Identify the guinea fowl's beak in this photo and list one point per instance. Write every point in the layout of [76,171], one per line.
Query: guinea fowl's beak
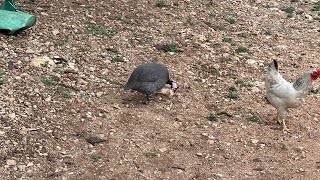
[174,88]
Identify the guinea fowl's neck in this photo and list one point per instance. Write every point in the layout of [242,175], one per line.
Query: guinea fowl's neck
[170,82]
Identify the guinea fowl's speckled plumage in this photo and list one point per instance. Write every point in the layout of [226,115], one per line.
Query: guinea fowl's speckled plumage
[148,78]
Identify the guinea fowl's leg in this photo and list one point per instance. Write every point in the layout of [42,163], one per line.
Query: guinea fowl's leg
[147,100]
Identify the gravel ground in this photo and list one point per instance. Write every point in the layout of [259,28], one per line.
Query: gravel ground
[64,114]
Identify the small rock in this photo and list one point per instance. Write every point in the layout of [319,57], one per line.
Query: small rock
[95,140]
[99,94]
[254,141]
[210,141]
[199,154]
[89,114]
[30,51]
[55,32]
[42,62]
[12,115]
[163,149]
[11,162]
[255,89]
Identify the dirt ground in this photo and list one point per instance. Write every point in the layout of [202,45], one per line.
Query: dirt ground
[70,118]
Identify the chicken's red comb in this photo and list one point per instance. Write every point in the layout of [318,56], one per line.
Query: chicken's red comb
[318,70]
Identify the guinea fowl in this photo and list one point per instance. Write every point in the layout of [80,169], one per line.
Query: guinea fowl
[283,94]
[149,78]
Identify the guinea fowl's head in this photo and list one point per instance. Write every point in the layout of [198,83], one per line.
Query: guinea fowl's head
[315,74]
[174,86]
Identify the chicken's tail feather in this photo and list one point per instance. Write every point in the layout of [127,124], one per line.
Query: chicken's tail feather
[273,66]
[275,62]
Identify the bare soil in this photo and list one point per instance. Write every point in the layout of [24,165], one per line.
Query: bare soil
[74,121]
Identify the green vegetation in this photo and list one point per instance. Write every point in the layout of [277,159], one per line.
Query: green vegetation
[171,47]
[212,118]
[100,31]
[316,6]
[117,59]
[49,81]
[190,22]
[161,4]
[231,20]
[232,96]
[232,88]
[45,64]
[288,10]
[253,119]
[242,50]
[95,157]
[150,154]
[227,39]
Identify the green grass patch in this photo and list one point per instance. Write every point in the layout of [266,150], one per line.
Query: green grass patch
[100,31]
[95,157]
[49,81]
[227,39]
[162,4]
[212,118]
[242,50]
[2,82]
[171,47]
[316,6]
[232,96]
[230,20]
[150,154]
[117,59]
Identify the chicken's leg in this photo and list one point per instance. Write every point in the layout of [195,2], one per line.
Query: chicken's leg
[281,116]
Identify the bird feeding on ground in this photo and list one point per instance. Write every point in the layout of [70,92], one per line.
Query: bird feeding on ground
[149,78]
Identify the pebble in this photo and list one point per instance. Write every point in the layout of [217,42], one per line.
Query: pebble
[254,141]
[199,154]
[12,115]
[11,162]
[210,141]
[163,149]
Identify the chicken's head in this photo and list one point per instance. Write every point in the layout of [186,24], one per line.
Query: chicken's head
[315,74]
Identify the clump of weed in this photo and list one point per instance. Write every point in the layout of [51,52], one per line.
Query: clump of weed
[45,64]
[171,47]
[100,31]
[95,157]
[284,146]
[117,59]
[49,81]
[212,118]
[232,88]
[316,6]
[231,20]
[232,96]
[227,39]
[162,4]
[150,154]
[289,11]
[242,50]
[253,119]
[112,50]
[190,22]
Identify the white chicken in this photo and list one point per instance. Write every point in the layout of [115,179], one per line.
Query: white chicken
[283,94]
